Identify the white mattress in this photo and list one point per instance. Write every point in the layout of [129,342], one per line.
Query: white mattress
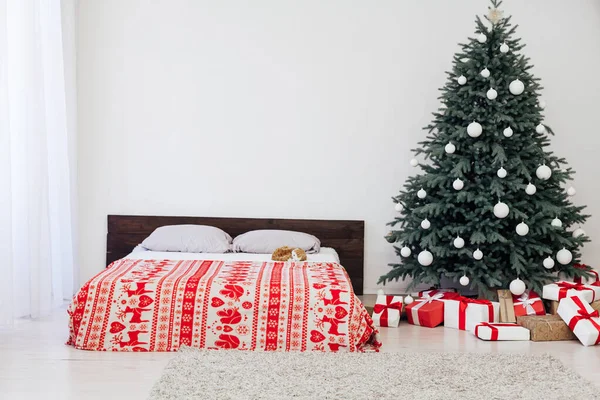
[327,254]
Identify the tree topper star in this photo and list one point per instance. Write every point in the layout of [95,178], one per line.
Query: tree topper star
[495,15]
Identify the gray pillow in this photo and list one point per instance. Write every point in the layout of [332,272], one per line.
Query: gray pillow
[266,241]
[188,239]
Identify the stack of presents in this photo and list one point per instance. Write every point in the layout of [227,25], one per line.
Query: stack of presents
[565,311]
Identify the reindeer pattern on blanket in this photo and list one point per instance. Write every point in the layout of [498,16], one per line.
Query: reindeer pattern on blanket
[159,305]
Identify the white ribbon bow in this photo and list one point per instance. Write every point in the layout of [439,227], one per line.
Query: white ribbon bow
[527,303]
[429,299]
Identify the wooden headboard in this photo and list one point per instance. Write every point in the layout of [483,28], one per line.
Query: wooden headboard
[346,237]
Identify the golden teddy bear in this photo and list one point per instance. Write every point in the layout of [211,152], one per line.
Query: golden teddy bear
[286,253]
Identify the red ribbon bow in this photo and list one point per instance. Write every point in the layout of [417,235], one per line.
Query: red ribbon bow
[383,309]
[583,266]
[583,314]
[462,310]
[493,327]
[566,286]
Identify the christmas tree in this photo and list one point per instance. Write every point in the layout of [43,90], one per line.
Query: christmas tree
[492,204]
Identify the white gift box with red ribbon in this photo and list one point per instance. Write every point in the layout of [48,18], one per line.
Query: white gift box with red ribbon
[560,290]
[387,310]
[492,331]
[582,319]
[464,313]
[595,281]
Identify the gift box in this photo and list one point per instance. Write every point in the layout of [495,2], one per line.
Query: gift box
[387,309]
[464,313]
[490,331]
[432,292]
[507,308]
[553,306]
[529,303]
[428,311]
[582,319]
[559,290]
[427,295]
[545,328]
[594,282]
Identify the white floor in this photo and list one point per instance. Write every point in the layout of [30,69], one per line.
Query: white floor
[35,363]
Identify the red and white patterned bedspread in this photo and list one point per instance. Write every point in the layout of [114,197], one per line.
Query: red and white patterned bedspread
[159,305]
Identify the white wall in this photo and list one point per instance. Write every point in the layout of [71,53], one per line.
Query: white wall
[304,109]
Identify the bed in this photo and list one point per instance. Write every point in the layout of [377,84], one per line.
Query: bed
[155,301]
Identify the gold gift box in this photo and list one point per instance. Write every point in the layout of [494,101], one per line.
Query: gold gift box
[546,327]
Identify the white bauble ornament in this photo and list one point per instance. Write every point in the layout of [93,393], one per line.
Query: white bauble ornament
[516,87]
[508,132]
[522,229]
[474,129]
[504,48]
[405,251]
[530,189]
[425,258]
[501,173]
[398,207]
[478,254]
[485,73]
[491,94]
[380,292]
[461,80]
[548,262]
[578,232]
[481,38]
[501,210]
[540,128]
[571,191]
[564,256]
[464,280]
[425,224]
[458,184]
[517,287]
[542,104]
[543,172]
[557,223]
[459,242]
[450,148]
[408,299]
[414,162]
[421,193]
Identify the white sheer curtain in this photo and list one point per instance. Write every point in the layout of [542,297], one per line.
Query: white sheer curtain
[37,156]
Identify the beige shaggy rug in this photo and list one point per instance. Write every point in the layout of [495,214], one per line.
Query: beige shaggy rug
[238,375]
